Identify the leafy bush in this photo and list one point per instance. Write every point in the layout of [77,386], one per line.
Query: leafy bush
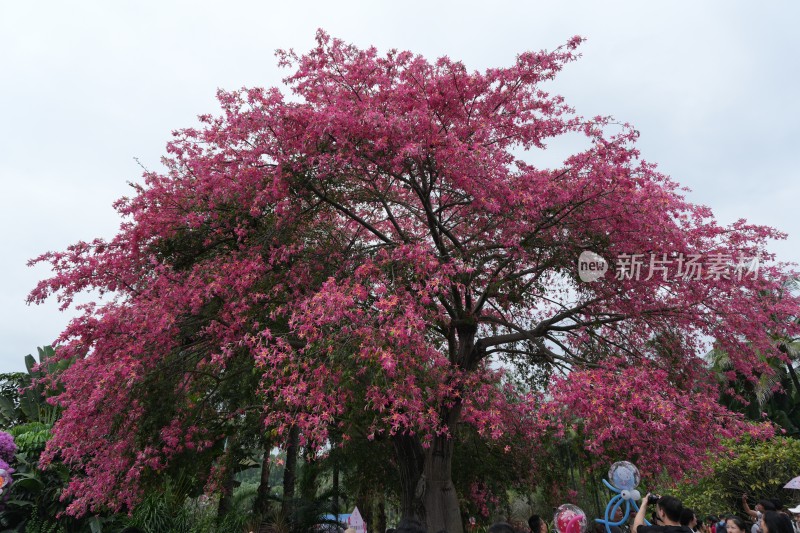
[31,437]
[170,511]
[760,469]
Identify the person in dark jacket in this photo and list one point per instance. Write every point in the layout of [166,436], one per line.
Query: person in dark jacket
[668,510]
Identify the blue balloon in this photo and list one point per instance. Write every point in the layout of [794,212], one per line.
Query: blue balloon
[624,477]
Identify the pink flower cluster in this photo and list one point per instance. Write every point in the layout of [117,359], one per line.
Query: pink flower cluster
[634,412]
[483,499]
[375,251]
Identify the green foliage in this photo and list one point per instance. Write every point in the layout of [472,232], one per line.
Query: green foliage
[171,504]
[484,461]
[10,384]
[40,523]
[759,469]
[158,513]
[277,522]
[34,499]
[171,511]
[244,495]
[31,437]
[165,510]
[23,398]
[775,395]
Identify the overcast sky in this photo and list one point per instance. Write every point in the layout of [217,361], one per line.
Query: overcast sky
[86,87]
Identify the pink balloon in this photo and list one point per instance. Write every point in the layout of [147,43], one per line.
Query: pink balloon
[570,519]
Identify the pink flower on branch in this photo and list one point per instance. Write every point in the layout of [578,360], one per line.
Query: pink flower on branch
[376,257]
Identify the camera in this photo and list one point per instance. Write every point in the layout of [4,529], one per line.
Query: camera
[653,499]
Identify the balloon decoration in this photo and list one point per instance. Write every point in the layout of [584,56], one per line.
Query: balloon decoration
[570,519]
[623,478]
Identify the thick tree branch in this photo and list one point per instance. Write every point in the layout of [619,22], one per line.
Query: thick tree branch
[372,229]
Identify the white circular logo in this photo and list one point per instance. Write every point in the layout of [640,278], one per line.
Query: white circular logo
[591,266]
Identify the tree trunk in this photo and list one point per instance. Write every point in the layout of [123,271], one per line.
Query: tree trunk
[336,509]
[290,470]
[308,478]
[440,498]
[427,492]
[364,504]
[261,503]
[380,521]
[410,461]
[226,498]
[229,482]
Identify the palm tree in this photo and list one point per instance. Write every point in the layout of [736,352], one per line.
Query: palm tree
[775,392]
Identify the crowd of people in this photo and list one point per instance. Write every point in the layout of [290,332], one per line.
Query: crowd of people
[667,514]
[671,516]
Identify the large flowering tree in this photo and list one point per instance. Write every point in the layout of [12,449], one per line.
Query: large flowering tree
[382,247]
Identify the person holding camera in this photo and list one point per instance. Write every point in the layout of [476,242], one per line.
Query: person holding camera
[755,514]
[668,510]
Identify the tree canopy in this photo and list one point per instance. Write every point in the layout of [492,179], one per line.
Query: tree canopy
[373,254]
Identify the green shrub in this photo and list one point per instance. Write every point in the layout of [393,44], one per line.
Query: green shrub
[760,469]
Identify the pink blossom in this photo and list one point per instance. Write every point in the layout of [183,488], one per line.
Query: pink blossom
[376,251]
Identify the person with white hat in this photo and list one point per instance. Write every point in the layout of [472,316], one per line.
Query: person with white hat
[795,518]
